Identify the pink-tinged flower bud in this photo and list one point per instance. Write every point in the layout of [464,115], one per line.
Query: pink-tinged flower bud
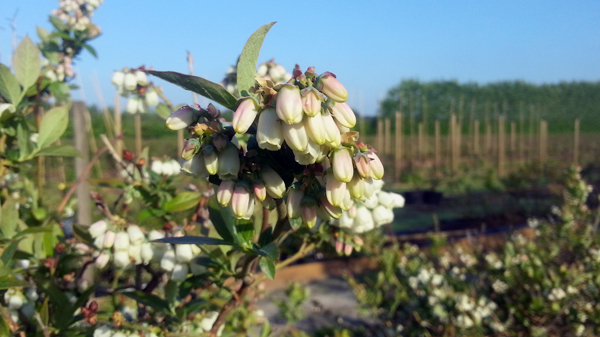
[190,148]
[240,201]
[118,78]
[348,249]
[369,187]
[347,203]
[182,118]
[273,182]
[136,236]
[121,259]
[130,82]
[311,102]
[334,138]
[250,210]
[356,187]
[141,78]
[309,211]
[195,166]
[352,212]
[260,191]
[341,161]
[332,88]
[295,136]
[229,163]
[180,272]
[294,202]
[334,212]
[335,190]
[339,246]
[121,242]
[244,115]
[109,239]
[315,129]
[102,260]
[362,165]
[211,159]
[225,192]
[382,215]
[151,98]
[269,133]
[98,228]
[344,115]
[376,166]
[289,104]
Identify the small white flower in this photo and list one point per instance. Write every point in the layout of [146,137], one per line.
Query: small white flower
[98,228]
[136,236]
[180,272]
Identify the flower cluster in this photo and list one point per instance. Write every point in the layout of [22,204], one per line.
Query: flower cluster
[268,70]
[76,14]
[134,83]
[19,302]
[127,247]
[168,167]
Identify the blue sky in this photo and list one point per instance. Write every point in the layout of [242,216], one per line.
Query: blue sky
[369,45]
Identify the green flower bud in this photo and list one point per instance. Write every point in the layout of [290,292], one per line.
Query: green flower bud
[211,159]
[190,148]
[229,163]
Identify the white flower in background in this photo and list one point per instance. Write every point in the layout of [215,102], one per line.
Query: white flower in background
[556,294]
[499,286]
[464,321]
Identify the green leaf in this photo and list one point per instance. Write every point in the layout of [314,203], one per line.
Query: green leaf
[58,151]
[245,229]
[82,234]
[91,50]
[153,301]
[44,312]
[194,240]
[223,220]
[53,125]
[192,306]
[61,91]
[296,223]
[26,63]
[57,23]
[271,251]
[57,297]
[23,142]
[8,253]
[200,86]
[8,281]
[163,111]
[4,329]
[183,201]
[246,67]
[43,34]
[9,86]
[9,217]
[267,266]
[33,230]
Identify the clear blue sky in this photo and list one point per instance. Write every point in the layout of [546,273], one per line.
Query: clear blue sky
[369,45]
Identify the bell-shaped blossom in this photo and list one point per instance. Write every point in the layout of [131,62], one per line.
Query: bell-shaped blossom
[332,211]
[180,272]
[229,162]
[311,102]
[334,138]
[195,166]
[344,115]
[118,78]
[269,133]
[151,98]
[398,200]
[347,203]
[102,260]
[294,202]
[363,221]
[369,187]
[356,187]
[295,136]
[130,82]
[225,192]
[376,166]
[362,165]
[132,105]
[183,253]
[190,148]
[382,215]
[136,236]
[244,115]
[240,201]
[98,228]
[211,159]
[289,104]
[182,118]
[167,263]
[146,253]
[135,253]
[109,239]
[273,182]
[121,259]
[341,161]
[332,88]
[260,190]
[121,241]
[315,129]
[385,199]
[335,190]
[309,211]
[141,78]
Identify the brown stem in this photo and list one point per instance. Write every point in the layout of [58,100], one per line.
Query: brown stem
[87,170]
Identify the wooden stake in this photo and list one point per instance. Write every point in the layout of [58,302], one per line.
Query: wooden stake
[398,146]
[437,146]
[513,141]
[138,134]
[453,144]
[421,141]
[476,137]
[501,145]
[388,136]
[84,210]
[380,140]
[576,143]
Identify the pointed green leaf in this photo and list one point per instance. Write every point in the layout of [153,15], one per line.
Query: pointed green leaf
[23,142]
[4,329]
[271,250]
[9,86]
[8,253]
[9,218]
[91,50]
[267,266]
[200,86]
[223,220]
[82,234]
[53,125]
[8,281]
[246,67]
[194,240]
[43,34]
[27,63]
[163,111]
[150,300]
[57,23]
[183,201]
[58,151]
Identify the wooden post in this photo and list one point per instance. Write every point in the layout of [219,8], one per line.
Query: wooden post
[471,131]
[84,211]
[118,127]
[576,143]
[411,125]
[453,144]
[138,133]
[437,146]
[501,145]
[398,146]
[531,142]
[521,141]
[421,141]
[513,142]
[388,136]
[380,145]
[542,139]
[476,137]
